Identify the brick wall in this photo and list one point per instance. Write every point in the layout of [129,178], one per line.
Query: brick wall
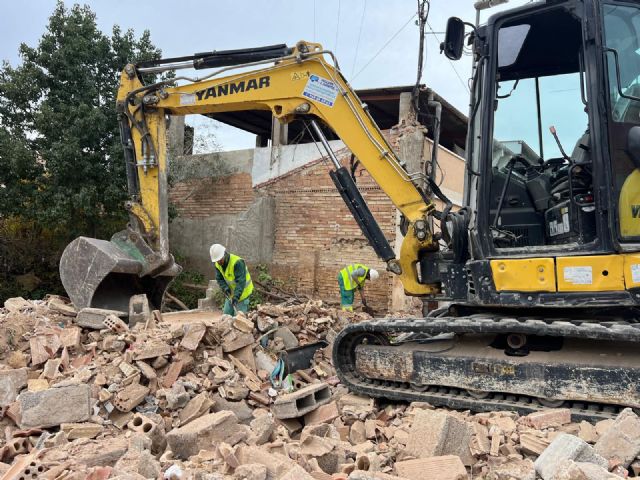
[316,236]
[204,197]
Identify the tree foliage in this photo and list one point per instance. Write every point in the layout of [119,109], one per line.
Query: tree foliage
[61,162]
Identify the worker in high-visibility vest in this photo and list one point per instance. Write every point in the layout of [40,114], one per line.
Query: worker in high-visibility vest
[233,278]
[352,278]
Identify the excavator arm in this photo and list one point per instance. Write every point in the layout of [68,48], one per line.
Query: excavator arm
[290,83]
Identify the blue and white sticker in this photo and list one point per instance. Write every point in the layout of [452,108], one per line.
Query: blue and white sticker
[321,90]
[187,99]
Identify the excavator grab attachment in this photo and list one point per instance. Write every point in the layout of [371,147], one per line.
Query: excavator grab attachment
[105,274]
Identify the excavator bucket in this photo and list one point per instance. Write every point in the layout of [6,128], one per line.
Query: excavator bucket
[105,274]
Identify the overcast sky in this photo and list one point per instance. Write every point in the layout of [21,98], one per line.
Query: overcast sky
[356,30]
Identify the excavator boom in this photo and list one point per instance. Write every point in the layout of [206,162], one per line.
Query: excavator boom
[291,83]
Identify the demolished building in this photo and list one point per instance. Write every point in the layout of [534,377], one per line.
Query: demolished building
[276,204]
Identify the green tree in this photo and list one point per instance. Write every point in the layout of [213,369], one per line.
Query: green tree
[61,162]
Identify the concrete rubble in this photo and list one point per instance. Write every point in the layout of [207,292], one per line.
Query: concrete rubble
[190,395]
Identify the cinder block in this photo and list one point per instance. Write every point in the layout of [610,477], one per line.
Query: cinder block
[305,400]
[51,407]
[94,317]
[566,447]
[139,310]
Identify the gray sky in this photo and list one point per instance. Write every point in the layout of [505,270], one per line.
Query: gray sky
[190,26]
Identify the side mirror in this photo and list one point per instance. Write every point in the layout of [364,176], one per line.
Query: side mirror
[454,39]
[633,145]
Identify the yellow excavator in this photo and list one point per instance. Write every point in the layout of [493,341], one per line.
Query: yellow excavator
[540,267]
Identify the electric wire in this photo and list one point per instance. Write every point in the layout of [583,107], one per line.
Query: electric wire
[383,47]
[335,45]
[355,57]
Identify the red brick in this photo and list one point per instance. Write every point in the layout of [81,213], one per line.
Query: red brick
[447,467]
[323,414]
[548,418]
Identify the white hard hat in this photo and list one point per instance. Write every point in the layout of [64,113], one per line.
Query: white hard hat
[373,274]
[217,252]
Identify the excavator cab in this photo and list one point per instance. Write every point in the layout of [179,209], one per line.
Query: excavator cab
[552,163]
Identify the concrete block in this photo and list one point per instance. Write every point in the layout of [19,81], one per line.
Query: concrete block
[277,464]
[323,414]
[548,418]
[11,382]
[93,318]
[201,433]
[139,310]
[622,440]
[51,407]
[566,447]
[447,467]
[305,400]
[435,434]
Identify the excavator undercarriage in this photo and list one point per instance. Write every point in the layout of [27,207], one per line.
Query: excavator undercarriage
[487,361]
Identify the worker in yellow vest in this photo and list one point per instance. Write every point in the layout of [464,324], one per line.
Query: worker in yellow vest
[352,278]
[234,279]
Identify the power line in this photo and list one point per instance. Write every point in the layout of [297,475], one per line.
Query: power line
[383,47]
[423,15]
[314,20]
[355,57]
[450,62]
[335,45]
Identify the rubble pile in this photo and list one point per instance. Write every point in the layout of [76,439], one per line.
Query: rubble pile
[102,394]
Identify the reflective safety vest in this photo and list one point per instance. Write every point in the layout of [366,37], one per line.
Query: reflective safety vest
[230,278]
[348,282]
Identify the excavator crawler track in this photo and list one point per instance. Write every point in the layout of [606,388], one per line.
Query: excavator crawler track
[362,348]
